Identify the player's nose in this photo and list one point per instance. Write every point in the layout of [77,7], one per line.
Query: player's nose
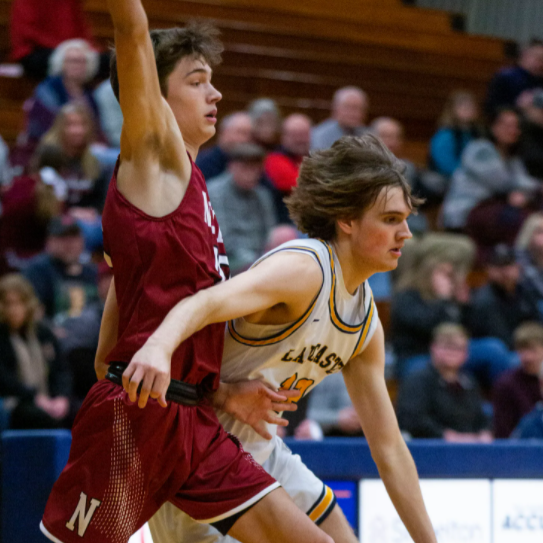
[215,95]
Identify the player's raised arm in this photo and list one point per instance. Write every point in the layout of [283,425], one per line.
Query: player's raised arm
[286,282]
[365,379]
[136,77]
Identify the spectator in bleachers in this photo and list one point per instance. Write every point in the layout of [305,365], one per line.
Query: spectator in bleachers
[433,290]
[72,65]
[441,400]
[279,235]
[517,391]
[531,141]
[512,85]
[331,408]
[234,129]
[458,126]
[243,207]
[426,184]
[63,283]
[37,27]
[500,306]
[78,336]
[493,179]
[34,383]
[349,113]
[266,119]
[529,246]
[282,166]
[85,180]
[72,134]
[531,425]
[28,204]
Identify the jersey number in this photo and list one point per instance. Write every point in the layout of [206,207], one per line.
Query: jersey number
[293,383]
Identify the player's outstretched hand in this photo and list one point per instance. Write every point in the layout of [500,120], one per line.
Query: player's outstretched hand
[150,367]
[254,402]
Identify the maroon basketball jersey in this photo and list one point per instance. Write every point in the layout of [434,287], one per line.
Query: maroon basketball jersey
[156,263]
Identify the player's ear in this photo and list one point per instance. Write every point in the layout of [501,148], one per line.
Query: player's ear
[345,225]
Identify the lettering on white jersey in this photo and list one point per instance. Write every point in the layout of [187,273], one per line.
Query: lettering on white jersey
[82,515]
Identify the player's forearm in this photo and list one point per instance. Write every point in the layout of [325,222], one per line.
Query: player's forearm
[185,319]
[128,16]
[108,331]
[399,474]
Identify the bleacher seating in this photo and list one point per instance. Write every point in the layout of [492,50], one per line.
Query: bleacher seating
[407,58]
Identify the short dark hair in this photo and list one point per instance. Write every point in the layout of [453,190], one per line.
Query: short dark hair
[170,45]
[342,182]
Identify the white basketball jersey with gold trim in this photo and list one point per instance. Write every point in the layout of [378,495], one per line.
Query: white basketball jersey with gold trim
[336,327]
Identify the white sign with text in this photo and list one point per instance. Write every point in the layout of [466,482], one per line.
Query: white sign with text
[518,511]
[459,511]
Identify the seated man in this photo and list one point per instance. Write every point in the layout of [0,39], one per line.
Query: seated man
[63,283]
[441,401]
[517,391]
[234,129]
[282,166]
[244,209]
[531,425]
[504,303]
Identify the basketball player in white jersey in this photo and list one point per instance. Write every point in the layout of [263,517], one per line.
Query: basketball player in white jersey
[305,311]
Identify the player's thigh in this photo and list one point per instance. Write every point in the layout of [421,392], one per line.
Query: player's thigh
[338,527]
[276,519]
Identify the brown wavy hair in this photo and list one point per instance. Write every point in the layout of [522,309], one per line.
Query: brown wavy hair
[15,282]
[342,182]
[170,45]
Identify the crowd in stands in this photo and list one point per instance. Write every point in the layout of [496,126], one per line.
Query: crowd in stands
[466,302]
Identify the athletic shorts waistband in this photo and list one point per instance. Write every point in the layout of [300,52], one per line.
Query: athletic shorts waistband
[178,391]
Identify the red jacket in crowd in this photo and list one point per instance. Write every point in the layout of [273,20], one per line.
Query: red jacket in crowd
[45,23]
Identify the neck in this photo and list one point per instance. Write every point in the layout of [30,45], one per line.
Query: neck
[192,150]
[74,89]
[353,274]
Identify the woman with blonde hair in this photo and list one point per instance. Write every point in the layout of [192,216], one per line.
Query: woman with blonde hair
[529,246]
[432,289]
[81,183]
[458,126]
[34,384]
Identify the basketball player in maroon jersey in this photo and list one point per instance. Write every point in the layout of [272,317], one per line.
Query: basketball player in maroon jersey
[164,244]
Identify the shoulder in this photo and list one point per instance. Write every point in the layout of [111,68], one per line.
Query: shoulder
[219,184]
[325,126]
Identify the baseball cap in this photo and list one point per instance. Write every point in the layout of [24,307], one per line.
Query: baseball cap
[502,255]
[63,226]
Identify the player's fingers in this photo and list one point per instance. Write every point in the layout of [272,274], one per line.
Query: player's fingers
[127,375]
[134,383]
[160,387]
[280,395]
[162,400]
[284,406]
[260,429]
[274,419]
[146,387]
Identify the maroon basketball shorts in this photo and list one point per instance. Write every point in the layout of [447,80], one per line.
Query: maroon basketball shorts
[125,462]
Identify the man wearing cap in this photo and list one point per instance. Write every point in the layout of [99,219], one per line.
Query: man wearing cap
[62,282]
[243,207]
[503,304]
